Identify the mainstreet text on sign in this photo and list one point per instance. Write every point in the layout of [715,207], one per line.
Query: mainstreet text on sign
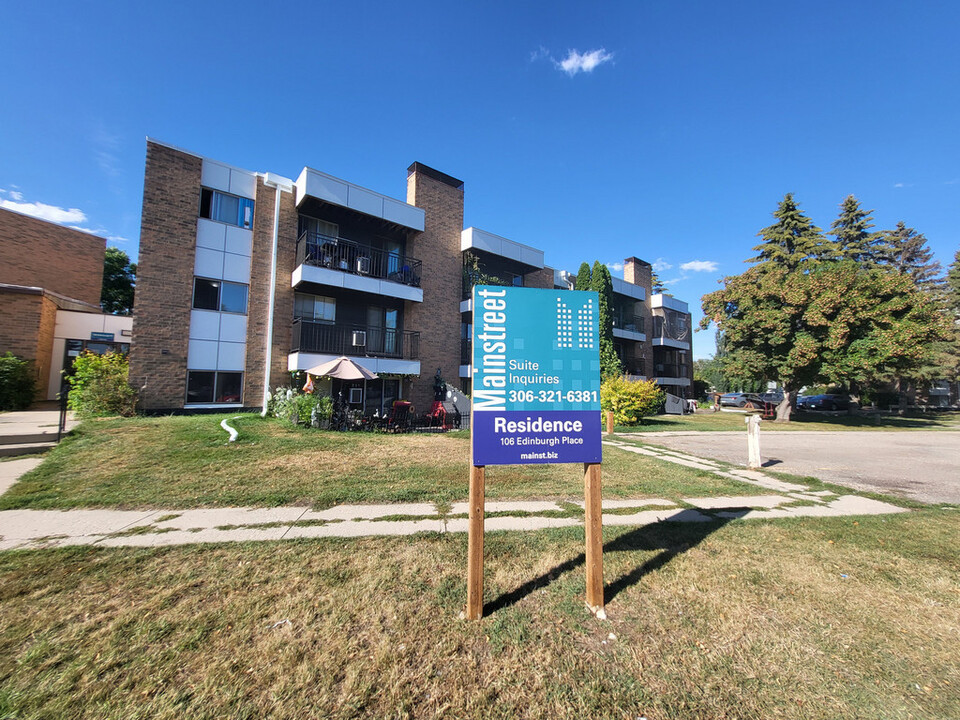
[536,376]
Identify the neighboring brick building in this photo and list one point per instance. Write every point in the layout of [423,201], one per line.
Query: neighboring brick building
[349,272]
[50,282]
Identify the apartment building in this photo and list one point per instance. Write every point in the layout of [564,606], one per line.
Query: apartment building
[245,277]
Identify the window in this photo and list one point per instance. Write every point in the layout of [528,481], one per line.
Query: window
[219,295]
[204,386]
[315,308]
[315,226]
[230,209]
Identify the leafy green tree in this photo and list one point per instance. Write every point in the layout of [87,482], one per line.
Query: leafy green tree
[119,279]
[854,241]
[836,323]
[792,240]
[910,255]
[610,364]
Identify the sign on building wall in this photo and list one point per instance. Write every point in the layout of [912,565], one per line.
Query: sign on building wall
[536,376]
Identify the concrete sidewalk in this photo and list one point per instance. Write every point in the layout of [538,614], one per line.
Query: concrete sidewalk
[27,529]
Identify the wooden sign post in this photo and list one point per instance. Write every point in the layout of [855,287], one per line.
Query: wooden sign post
[475,544]
[536,399]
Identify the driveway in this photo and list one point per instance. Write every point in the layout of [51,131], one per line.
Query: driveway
[919,465]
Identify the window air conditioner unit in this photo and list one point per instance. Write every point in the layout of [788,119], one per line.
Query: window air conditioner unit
[363,265]
[359,338]
[356,396]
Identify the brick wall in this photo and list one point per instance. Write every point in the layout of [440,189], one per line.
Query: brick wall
[260,292]
[27,321]
[437,318]
[161,313]
[37,253]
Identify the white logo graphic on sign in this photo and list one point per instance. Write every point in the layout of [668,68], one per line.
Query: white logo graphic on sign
[585,325]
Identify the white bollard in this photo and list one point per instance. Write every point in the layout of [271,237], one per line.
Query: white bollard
[753,441]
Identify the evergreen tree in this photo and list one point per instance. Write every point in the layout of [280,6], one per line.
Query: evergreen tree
[119,274]
[610,365]
[854,239]
[909,255]
[584,279]
[953,286]
[656,283]
[792,240]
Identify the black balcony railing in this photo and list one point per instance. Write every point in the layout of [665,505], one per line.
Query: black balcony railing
[633,323]
[356,340]
[671,371]
[348,256]
[466,352]
[633,366]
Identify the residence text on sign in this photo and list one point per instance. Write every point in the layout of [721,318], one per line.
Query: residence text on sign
[536,376]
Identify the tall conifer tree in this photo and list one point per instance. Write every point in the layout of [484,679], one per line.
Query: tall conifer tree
[854,239]
[910,255]
[792,240]
[610,364]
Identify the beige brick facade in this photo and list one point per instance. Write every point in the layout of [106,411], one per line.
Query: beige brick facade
[437,318]
[260,292]
[161,315]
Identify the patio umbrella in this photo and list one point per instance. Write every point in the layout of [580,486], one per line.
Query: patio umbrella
[343,368]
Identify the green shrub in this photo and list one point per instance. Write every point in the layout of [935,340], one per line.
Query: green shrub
[630,400]
[17,384]
[300,408]
[99,386]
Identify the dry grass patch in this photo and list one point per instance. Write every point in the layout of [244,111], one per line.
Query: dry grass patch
[184,462]
[737,620]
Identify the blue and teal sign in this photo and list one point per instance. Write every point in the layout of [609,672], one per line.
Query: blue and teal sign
[536,376]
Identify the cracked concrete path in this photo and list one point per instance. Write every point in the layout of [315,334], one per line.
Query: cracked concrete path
[33,529]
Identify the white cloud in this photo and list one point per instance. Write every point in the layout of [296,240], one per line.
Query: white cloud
[40,210]
[659,265]
[576,61]
[616,267]
[699,266]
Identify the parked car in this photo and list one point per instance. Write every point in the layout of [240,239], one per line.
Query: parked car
[733,399]
[823,402]
[742,400]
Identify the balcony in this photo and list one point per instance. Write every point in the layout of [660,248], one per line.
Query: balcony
[338,262]
[355,340]
[352,257]
[628,327]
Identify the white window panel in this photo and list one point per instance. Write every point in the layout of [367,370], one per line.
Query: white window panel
[236,268]
[239,241]
[232,356]
[233,328]
[202,355]
[209,264]
[215,175]
[204,325]
[210,234]
[243,183]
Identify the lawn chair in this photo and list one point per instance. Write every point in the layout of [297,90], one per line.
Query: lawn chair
[399,420]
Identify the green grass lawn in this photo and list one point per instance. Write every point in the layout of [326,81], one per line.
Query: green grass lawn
[185,462]
[707,420]
[797,619]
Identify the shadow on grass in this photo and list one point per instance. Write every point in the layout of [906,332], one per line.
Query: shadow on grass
[842,419]
[670,538]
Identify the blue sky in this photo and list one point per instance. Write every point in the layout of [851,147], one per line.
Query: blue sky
[664,130]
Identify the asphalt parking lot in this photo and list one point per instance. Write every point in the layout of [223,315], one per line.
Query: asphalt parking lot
[919,464]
